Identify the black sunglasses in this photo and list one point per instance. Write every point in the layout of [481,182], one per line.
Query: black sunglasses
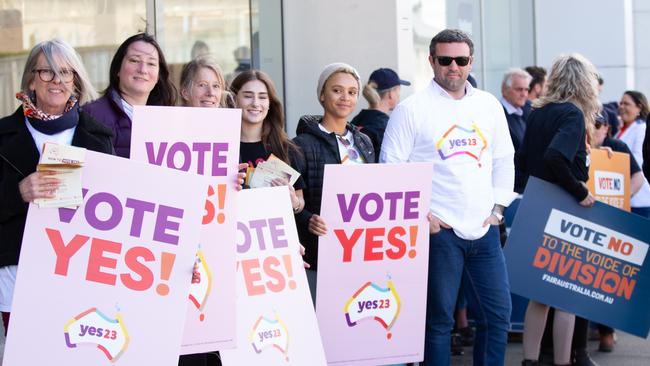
[446,60]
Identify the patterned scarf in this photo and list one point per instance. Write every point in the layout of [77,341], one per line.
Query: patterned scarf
[46,123]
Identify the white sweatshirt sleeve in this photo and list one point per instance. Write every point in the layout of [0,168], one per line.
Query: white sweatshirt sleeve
[399,138]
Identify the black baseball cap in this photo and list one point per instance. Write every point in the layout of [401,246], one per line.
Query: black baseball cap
[386,79]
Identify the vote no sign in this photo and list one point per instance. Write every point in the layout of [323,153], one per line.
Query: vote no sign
[588,261]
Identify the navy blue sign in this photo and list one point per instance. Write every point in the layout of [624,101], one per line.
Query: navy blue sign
[586,261]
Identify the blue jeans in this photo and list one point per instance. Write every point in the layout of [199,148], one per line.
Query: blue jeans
[480,264]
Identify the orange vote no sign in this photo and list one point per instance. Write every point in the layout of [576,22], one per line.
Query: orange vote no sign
[609,178]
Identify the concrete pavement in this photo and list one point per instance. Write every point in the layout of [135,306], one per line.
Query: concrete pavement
[629,351]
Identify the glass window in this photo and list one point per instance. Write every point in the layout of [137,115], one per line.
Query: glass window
[186,29]
[267,47]
[509,39]
[94,27]
[432,16]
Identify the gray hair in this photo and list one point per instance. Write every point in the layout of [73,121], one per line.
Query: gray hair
[59,53]
[515,73]
[192,67]
[451,36]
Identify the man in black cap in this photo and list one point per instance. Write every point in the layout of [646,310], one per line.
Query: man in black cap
[382,93]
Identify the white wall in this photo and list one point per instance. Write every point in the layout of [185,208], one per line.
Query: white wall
[601,30]
[642,46]
[366,34]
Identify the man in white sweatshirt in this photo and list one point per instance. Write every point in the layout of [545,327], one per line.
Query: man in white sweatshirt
[464,132]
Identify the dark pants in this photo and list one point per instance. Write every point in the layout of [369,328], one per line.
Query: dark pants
[480,264]
[5,321]
[200,359]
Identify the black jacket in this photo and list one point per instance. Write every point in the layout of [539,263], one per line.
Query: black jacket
[18,159]
[517,127]
[646,151]
[373,123]
[319,148]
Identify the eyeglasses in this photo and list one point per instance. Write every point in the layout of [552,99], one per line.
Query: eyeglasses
[598,125]
[48,75]
[352,153]
[460,60]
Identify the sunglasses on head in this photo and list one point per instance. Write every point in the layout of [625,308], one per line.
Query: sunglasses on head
[446,60]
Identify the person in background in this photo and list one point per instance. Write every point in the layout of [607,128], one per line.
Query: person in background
[54,85]
[138,76]
[633,110]
[537,85]
[199,48]
[555,149]
[646,152]
[382,93]
[327,139]
[603,140]
[610,109]
[514,91]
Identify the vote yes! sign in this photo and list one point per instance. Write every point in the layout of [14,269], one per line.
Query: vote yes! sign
[276,324]
[202,142]
[372,264]
[587,261]
[108,281]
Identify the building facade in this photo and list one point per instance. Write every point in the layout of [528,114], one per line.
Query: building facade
[293,39]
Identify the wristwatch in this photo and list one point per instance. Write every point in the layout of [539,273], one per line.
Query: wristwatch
[498,216]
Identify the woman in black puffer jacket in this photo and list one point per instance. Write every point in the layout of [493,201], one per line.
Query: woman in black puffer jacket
[329,139]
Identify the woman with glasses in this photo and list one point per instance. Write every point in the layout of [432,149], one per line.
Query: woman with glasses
[555,148]
[54,84]
[138,76]
[328,139]
[633,110]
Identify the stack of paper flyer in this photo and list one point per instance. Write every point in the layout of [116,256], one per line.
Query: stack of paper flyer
[270,170]
[66,161]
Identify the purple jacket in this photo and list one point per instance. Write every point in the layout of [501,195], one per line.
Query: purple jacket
[108,110]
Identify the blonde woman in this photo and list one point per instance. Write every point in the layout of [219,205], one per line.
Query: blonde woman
[203,84]
[382,93]
[555,148]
